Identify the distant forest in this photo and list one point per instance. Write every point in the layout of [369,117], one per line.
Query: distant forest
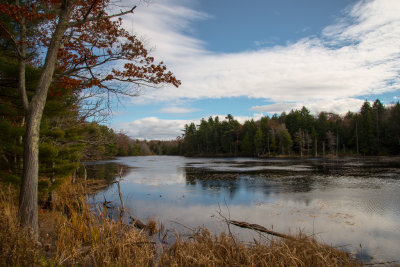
[375,130]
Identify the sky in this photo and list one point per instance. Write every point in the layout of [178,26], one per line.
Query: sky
[259,57]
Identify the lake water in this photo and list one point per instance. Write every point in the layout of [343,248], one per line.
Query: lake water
[349,203]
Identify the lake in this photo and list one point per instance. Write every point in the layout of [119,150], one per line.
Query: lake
[349,203]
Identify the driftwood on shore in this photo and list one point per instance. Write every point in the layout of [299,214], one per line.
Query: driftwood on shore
[137,223]
[259,228]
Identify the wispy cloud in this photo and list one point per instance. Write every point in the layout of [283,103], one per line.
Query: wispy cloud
[165,26]
[153,128]
[356,56]
[176,110]
[339,106]
[271,41]
[163,129]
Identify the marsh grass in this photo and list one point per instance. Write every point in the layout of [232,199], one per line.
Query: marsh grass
[92,238]
[75,234]
[206,249]
[17,247]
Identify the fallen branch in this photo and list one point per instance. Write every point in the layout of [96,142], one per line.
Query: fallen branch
[259,228]
[137,223]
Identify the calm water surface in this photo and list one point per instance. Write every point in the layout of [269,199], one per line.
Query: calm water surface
[347,202]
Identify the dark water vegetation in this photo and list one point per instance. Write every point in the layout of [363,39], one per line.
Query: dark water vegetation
[349,202]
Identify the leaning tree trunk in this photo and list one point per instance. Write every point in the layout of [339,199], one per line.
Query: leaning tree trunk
[28,200]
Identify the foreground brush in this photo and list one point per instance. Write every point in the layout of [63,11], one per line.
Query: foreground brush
[74,233]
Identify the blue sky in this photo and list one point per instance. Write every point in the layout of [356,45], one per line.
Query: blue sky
[261,57]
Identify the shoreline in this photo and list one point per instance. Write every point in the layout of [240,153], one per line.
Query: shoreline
[72,234]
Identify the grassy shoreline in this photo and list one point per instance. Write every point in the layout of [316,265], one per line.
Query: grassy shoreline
[71,233]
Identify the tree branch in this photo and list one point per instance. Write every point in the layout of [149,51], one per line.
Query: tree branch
[81,22]
[14,41]
[90,9]
[22,68]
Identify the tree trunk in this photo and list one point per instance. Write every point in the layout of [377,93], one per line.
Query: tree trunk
[337,144]
[21,140]
[358,152]
[28,199]
[316,147]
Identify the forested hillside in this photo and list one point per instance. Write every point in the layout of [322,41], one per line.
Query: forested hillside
[375,130]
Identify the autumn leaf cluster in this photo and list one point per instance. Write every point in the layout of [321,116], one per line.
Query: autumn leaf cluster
[96,51]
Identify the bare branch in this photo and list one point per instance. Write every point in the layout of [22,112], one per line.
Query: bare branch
[81,22]
[14,41]
[90,9]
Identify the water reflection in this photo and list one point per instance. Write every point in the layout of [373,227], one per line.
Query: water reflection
[347,201]
[104,170]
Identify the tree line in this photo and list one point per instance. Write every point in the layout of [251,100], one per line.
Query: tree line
[374,130]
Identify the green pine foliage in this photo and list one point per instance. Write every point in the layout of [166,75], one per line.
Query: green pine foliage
[375,130]
[65,139]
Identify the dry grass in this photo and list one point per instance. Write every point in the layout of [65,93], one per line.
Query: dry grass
[94,239]
[205,249]
[17,247]
[86,238]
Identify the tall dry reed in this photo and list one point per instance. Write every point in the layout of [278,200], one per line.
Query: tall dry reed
[85,236]
[205,249]
[17,247]
[90,238]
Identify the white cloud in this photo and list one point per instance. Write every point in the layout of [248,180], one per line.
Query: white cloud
[338,106]
[276,108]
[165,25]
[153,128]
[176,110]
[358,55]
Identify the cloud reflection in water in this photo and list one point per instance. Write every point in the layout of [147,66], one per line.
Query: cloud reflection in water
[343,204]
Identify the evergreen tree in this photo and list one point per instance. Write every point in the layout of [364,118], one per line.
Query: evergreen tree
[285,141]
[372,131]
[393,130]
[259,142]
[378,121]
[366,130]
